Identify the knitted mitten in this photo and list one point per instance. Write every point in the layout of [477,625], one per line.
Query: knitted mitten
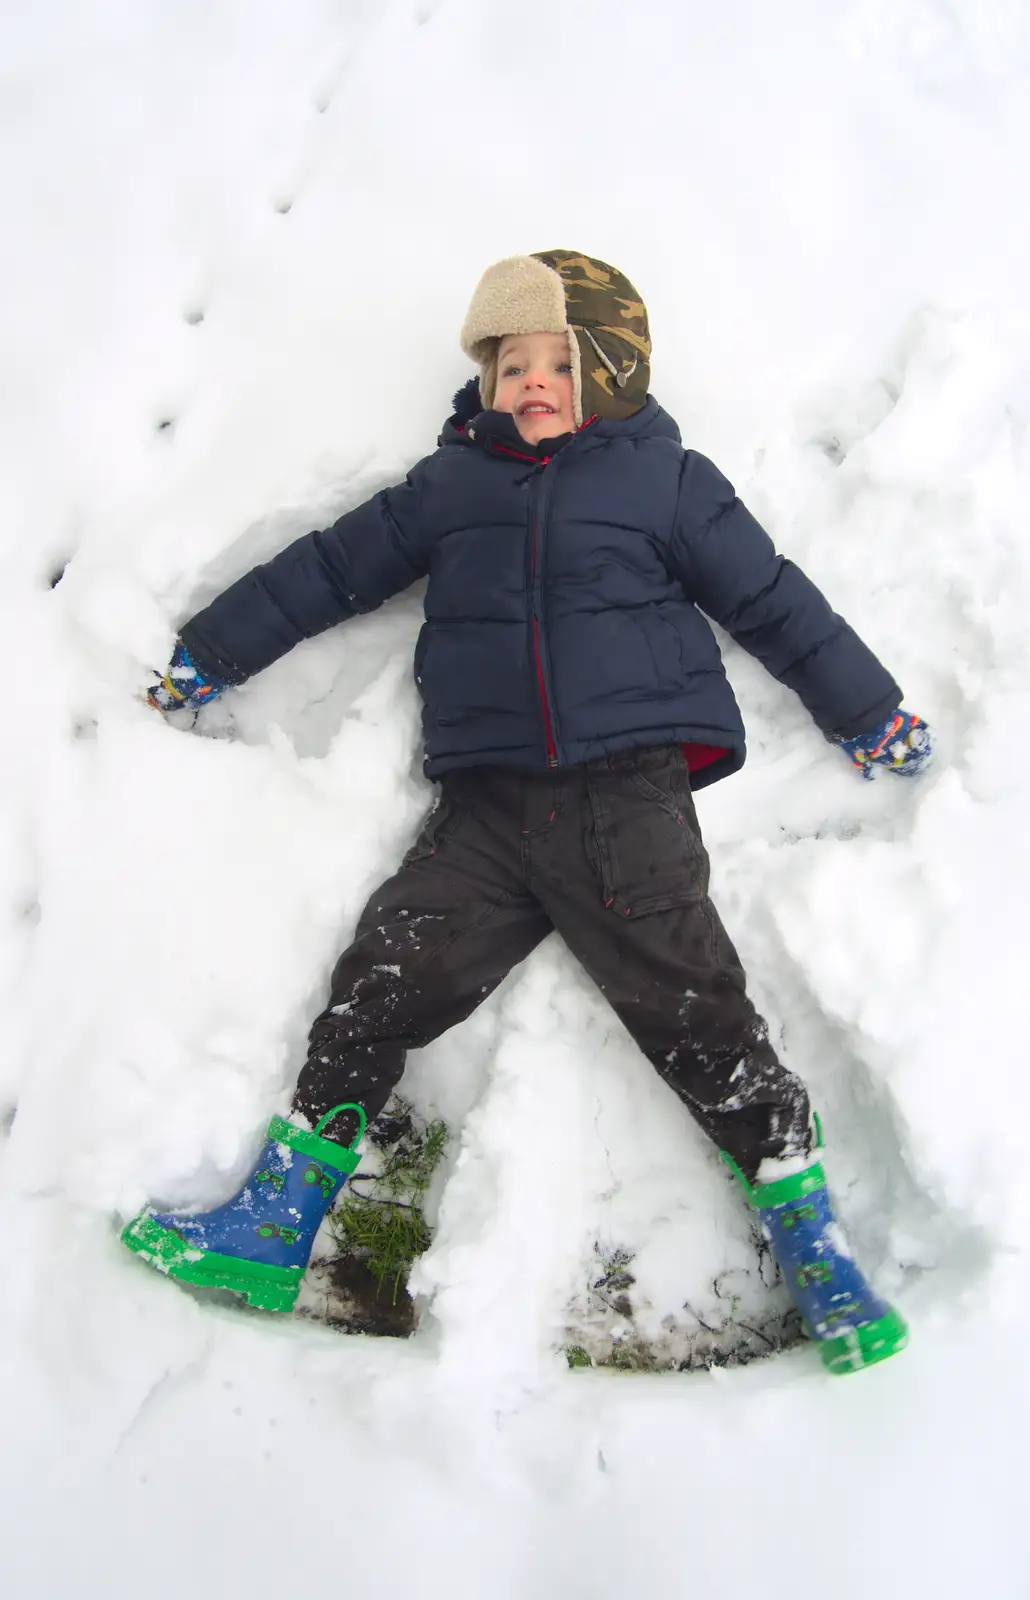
[183,685]
[900,743]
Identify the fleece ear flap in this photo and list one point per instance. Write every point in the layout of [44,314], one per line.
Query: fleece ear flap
[488,377]
[516,295]
[576,362]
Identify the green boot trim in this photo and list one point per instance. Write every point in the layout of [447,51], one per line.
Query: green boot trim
[763,1196]
[342,1158]
[865,1346]
[266,1287]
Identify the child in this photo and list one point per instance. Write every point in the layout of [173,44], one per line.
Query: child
[574,696]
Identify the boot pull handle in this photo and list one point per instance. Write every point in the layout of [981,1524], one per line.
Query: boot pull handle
[362,1122]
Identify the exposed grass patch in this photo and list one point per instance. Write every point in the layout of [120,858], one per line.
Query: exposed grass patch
[380,1220]
[604,1331]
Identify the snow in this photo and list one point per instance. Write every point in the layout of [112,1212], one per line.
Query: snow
[238,243]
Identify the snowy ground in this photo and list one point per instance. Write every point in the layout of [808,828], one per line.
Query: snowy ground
[237,244]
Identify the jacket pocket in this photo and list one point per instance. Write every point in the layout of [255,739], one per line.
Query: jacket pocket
[646,844]
[439,825]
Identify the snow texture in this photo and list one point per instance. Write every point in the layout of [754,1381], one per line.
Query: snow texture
[238,242]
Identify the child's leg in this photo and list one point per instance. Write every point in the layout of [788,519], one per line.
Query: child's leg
[632,902]
[431,944]
[626,884]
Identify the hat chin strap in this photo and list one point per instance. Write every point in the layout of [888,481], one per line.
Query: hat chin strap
[621,377]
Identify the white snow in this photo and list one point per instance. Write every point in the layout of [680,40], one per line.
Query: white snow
[238,241]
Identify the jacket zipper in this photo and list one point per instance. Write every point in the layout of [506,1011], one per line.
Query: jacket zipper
[541,682]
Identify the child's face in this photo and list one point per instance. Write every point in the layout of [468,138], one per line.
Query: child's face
[534,383]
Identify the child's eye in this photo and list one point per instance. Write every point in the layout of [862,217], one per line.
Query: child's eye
[510,371]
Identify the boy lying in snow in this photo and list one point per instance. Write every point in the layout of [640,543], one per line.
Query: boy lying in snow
[574,696]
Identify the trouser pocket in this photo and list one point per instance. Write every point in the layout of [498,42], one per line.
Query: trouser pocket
[643,836]
[440,823]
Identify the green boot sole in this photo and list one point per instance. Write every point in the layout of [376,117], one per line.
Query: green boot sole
[865,1346]
[266,1288]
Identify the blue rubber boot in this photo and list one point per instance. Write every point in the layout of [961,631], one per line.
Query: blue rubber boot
[257,1244]
[853,1327]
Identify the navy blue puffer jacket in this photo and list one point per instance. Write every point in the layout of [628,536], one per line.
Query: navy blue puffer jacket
[567,583]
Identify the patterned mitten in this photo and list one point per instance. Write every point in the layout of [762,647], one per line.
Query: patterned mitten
[900,743]
[183,685]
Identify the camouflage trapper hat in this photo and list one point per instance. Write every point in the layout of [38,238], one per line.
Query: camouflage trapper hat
[564,291]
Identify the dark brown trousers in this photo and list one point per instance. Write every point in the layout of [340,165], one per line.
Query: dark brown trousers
[610,855]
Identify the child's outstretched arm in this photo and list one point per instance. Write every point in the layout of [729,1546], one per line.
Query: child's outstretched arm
[321,579]
[729,567]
